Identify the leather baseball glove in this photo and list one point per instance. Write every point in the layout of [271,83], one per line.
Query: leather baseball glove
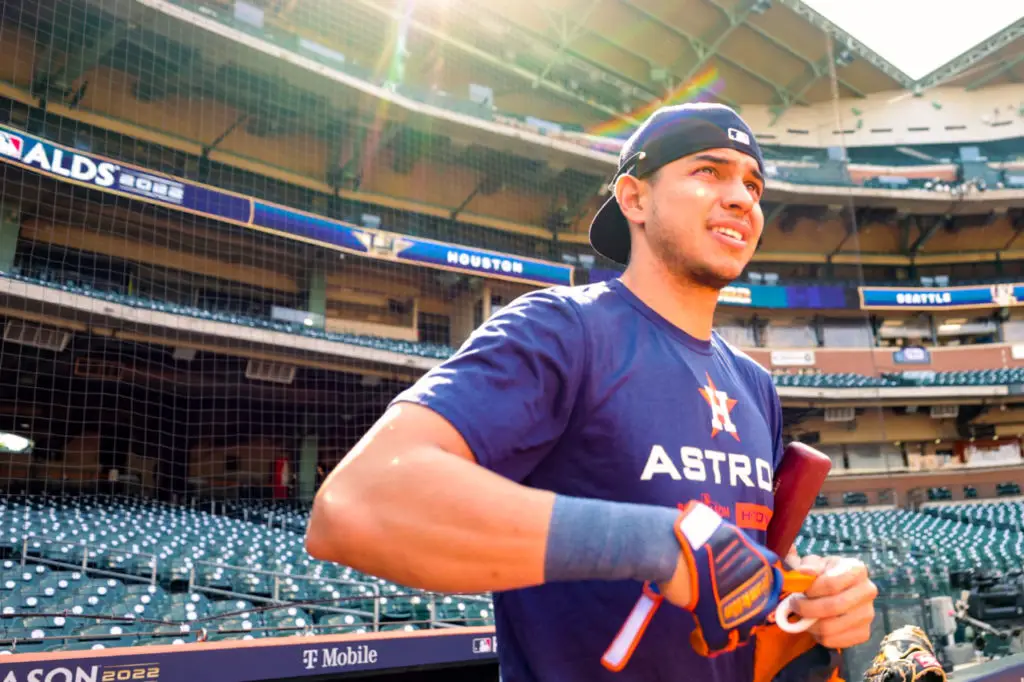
[906,655]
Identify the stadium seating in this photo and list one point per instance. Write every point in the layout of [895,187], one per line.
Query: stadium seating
[50,279]
[122,573]
[105,572]
[915,552]
[978,377]
[808,167]
[840,380]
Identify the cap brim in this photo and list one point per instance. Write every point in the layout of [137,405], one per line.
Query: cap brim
[609,232]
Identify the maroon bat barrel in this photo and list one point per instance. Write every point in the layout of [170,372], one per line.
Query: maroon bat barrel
[797,483]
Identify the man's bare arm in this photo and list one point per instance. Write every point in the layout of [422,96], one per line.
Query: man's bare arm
[410,504]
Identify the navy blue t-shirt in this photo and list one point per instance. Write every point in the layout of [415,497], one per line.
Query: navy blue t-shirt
[586,391]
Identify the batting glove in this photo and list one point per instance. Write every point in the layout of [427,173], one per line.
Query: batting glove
[735,582]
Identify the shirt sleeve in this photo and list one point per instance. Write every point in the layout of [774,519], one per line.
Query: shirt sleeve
[511,388]
[774,411]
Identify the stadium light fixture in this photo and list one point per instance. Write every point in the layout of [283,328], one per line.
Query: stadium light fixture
[844,57]
[12,442]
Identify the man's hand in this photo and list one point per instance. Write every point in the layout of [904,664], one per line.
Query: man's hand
[841,599]
[734,583]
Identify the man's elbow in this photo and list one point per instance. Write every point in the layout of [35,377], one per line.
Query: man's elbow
[333,529]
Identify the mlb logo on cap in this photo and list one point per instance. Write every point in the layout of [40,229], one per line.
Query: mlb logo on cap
[670,133]
[739,136]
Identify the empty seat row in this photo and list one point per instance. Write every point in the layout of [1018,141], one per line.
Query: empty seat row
[90,562]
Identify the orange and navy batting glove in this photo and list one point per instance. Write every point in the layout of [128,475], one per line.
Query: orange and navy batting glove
[735,582]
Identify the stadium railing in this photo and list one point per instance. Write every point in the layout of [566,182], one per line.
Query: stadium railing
[280,581]
[34,548]
[422,356]
[374,605]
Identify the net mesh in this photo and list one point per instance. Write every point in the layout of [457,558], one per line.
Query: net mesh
[231,232]
[183,411]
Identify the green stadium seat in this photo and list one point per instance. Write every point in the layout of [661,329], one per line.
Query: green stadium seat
[165,641]
[249,624]
[401,627]
[90,645]
[26,648]
[340,623]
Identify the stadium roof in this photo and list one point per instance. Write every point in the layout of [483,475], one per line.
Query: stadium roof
[770,52]
[941,31]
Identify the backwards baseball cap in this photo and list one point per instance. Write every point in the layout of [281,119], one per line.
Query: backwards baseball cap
[669,134]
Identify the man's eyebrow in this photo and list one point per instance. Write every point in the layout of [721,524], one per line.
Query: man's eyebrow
[722,161]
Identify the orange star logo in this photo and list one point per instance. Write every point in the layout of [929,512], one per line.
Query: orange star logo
[721,408]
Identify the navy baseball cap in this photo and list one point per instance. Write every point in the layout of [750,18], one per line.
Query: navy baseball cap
[669,134]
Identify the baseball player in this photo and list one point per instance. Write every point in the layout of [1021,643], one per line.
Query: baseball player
[589,441]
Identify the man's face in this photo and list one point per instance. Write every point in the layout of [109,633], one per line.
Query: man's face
[704,217]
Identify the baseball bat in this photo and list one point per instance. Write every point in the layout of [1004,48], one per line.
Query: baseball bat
[797,482]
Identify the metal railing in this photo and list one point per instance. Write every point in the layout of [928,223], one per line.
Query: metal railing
[275,595]
[94,559]
[88,550]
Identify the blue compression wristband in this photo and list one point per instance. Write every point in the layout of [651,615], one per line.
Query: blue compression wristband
[601,540]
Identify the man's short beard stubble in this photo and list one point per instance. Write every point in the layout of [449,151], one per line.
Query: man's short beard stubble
[676,262]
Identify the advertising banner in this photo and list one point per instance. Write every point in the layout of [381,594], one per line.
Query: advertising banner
[69,165]
[258,659]
[912,355]
[793,358]
[948,298]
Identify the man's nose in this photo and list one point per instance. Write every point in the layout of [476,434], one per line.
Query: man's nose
[737,196]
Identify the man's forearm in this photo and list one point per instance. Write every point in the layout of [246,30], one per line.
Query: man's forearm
[432,520]
[435,521]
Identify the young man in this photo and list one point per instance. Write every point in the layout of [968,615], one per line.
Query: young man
[587,440]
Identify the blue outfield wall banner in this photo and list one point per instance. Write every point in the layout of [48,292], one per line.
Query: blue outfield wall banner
[90,170]
[767,295]
[950,298]
[258,659]
[792,297]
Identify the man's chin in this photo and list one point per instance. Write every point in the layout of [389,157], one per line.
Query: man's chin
[715,278]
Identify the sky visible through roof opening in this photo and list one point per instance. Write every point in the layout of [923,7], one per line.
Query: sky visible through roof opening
[918,36]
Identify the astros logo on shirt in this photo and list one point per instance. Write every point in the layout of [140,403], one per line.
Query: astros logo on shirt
[721,407]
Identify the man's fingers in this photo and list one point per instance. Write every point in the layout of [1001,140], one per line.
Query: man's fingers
[812,564]
[836,576]
[853,622]
[835,604]
[855,629]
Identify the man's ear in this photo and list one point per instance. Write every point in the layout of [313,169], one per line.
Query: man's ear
[631,195]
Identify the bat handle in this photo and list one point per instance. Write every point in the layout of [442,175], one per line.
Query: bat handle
[784,611]
[621,649]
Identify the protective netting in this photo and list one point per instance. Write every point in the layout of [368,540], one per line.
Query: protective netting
[231,232]
[118,115]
